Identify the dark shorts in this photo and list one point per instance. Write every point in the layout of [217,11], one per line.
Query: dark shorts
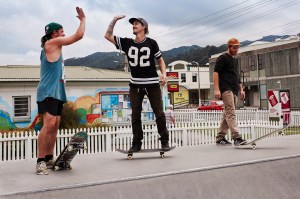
[50,105]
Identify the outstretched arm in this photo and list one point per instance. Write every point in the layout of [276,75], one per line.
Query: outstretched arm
[63,41]
[109,35]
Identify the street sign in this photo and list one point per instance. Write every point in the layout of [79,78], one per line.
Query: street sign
[173,87]
[172,74]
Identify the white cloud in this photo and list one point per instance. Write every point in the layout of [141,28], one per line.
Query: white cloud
[30,57]
[22,24]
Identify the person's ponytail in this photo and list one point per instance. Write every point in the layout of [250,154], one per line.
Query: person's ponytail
[44,39]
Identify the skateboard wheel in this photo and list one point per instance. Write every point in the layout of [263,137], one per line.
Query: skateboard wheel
[129,157]
[253,146]
[56,168]
[162,156]
[70,148]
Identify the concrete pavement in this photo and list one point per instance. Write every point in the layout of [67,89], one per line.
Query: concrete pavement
[189,172]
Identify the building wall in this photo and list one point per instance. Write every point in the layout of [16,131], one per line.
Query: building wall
[189,71]
[275,64]
[183,67]
[89,98]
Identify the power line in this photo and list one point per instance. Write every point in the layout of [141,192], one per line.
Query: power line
[230,14]
[187,23]
[271,29]
[241,22]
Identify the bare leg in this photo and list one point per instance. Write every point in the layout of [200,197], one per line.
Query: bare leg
[46,132]
[52,137]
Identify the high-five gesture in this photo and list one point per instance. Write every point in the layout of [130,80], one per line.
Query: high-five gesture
[81,15]
[118,17]
[109,35]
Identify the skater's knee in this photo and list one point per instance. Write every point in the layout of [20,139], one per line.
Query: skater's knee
[50,126]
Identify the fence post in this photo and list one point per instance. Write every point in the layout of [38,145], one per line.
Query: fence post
[108,141]
[184,136]
[28,147]
[252,126]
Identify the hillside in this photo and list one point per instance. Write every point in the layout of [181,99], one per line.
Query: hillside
[113,60]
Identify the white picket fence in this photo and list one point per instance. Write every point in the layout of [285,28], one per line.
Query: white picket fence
[23,145]
[187,115]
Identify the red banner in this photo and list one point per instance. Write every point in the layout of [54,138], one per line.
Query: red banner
[285,101]
[272,98]
[173,87]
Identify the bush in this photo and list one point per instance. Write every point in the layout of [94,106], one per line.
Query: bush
[70,118]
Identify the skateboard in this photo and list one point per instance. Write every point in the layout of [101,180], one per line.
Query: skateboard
[130,154]
[253,142]
[76,143]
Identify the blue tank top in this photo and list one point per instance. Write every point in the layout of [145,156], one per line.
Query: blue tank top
[52,80]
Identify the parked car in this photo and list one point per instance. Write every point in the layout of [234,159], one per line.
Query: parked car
[211,105]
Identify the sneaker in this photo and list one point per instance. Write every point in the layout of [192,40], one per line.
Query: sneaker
[50,163]
[239,141]
[135,148]
[41,168]
[165,146]
[223,142]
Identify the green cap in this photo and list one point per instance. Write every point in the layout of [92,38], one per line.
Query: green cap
[51,27]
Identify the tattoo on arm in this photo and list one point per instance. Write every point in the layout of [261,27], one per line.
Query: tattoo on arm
[110,28]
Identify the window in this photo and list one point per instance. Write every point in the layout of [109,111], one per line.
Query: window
[183,77]
[179,67]
[194,77]
[21,106]
[252,63]
[263,92]
[260,66]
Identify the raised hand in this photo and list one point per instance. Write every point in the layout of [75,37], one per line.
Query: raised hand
[81,15]
[118,17]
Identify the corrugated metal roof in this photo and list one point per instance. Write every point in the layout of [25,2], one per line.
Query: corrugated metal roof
[262,46]
[73,73]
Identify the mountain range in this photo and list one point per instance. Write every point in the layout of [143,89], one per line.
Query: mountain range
[114,60]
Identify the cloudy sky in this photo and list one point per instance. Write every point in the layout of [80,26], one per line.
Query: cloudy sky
[172,23]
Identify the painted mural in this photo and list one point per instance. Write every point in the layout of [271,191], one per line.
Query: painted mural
[105,105]
[5,119]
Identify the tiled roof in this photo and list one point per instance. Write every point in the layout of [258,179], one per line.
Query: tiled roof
[73,73]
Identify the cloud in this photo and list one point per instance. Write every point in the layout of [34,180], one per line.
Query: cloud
[23,22]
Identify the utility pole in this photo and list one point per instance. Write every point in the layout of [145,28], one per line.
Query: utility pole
[258,80]
[199,90]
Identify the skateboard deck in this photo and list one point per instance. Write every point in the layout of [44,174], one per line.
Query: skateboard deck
[130,154]
[76,143]
[253,142]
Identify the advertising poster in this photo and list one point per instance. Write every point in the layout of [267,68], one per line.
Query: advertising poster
[114,100]
[181,97]
[105,102]
[285,106]
[274,104]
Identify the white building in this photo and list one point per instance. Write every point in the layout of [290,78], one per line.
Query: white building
[189,80]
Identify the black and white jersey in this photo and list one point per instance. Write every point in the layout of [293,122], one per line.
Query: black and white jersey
[141,59]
